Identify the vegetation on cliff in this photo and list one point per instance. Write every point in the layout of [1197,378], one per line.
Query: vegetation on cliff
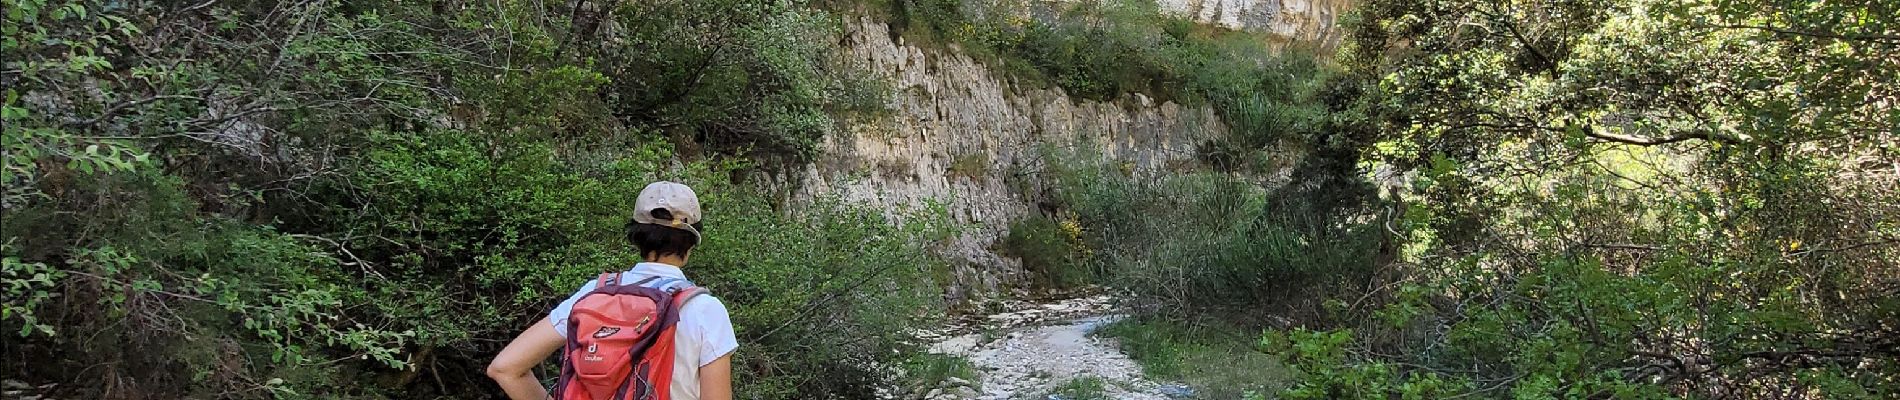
[1545,199]
[1575,199]
[1270,96]
[1628,199]
[367,199]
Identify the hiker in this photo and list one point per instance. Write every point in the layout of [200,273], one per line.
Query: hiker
[643,334]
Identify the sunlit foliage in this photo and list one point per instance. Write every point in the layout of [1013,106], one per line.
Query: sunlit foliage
[367,199]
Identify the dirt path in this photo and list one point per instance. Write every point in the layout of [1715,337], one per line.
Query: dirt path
[1027,353]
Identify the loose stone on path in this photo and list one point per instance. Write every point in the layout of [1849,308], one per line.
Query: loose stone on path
[1029,362]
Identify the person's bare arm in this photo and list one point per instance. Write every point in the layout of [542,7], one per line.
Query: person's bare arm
[715,379]
[514,367]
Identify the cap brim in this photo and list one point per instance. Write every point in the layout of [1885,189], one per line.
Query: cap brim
[673,224]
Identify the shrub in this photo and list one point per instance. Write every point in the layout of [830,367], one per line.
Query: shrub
[175,297]
[930,370]
[1326,371]
[1205,240]
[867,277]
[1215,358]
[1081,388]
[369,202]
[737,77]
[1052,251]
[1572,230]
[970,165]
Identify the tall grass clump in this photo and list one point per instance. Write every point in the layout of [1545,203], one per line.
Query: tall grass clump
[1209,241]
[1218,359]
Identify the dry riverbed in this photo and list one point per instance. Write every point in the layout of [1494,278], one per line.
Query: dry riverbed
[1029,352]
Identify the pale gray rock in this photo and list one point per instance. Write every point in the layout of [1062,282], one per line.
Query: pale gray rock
[962,135]
[1045,349]
[1286,21]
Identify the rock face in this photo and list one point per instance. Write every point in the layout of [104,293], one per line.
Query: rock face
[963,136]
[1306,21]
[960,136]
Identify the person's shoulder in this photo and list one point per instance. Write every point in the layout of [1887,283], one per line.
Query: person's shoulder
[585,287]
[705,301]
[705,309]
[705,317]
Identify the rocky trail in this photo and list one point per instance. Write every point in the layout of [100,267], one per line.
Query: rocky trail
[1028,352]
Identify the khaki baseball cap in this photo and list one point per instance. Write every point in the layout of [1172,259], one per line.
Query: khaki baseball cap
[680,204]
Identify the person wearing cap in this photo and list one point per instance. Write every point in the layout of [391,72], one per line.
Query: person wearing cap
[665,228]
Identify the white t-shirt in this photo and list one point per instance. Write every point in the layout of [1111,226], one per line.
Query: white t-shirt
[703,335]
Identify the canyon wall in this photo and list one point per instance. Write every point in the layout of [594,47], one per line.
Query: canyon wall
[960,134]
[1287,21]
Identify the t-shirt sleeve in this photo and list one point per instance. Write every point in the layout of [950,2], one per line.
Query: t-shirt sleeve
[558,316]
[705,321]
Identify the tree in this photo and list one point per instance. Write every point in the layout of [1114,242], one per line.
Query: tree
[1610,197]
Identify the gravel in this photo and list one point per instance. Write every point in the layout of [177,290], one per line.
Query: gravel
[1044,347]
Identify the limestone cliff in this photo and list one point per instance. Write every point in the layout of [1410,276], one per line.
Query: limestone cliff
[959,134]
[1304,21]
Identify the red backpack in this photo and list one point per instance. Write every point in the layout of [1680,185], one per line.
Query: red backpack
[620,340]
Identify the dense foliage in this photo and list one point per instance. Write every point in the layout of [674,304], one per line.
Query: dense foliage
[1208,241]
[1634,199]
[1577,199]
[1214,358]
[1541,199]
[367,199]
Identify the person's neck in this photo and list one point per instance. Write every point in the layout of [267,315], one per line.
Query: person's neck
[673,260]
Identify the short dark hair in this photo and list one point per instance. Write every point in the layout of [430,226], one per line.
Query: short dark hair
[659,240]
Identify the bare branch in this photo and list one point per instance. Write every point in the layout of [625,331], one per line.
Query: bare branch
[1594,133]
[365,265]
[1651,141]
[116,108]
[1823,35]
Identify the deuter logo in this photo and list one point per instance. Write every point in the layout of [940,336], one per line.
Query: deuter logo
[591,348]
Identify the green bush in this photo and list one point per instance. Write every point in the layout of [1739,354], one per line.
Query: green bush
[1052,252]
[1579,223]
[866,277]
[970,165]
[1326,371]
[1212,241]
[739,77]
[930,370]
[370,201]
[177,297]
[1081,388]
[1215,358]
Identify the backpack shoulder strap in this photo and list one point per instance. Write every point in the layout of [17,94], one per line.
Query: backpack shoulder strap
[610,283]
[686,292]
[608,280]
